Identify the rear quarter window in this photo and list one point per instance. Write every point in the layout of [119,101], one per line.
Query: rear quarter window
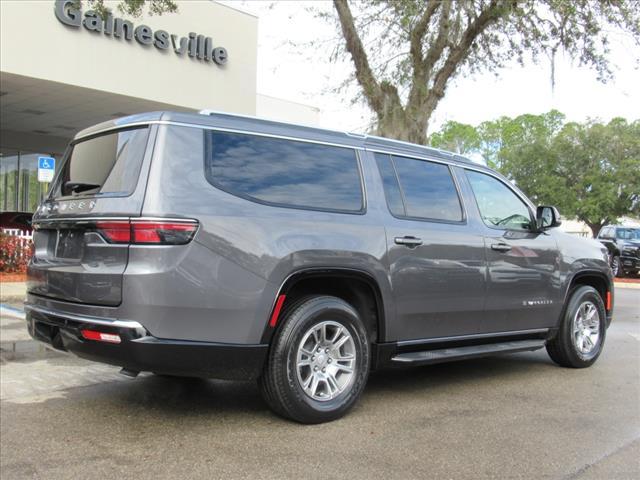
[284,172]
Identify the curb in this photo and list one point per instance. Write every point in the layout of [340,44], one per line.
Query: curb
[632,286]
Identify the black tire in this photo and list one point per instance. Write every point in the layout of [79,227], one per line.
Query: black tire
[279,383]
[616,267]
[562,348]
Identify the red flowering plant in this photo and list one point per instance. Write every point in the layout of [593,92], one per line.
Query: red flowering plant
[15,253]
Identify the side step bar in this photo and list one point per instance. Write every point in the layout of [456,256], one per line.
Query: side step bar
[462,353]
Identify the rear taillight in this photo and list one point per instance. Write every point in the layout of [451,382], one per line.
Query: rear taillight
[148,232]
[115,232]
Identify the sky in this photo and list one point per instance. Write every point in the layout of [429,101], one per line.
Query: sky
[307,75]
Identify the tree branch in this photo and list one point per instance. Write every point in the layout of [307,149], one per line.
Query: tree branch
[420,71]
[365,76]
[459,52]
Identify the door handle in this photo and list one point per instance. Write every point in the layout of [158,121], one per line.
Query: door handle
[500,247]
[408,241]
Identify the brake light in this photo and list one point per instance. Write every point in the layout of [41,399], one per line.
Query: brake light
[115,232]
[148,232]
[101,336]
[167,233]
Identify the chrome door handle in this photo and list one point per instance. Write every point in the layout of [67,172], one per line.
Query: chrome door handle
[500,247]
[408,241]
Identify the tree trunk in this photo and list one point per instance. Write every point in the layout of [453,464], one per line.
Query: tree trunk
[397,124]
[595,227]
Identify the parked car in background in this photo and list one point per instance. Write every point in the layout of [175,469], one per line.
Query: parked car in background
[623,245]
[16,221]
[237,248]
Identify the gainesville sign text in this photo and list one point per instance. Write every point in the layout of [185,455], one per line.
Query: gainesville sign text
[194,45]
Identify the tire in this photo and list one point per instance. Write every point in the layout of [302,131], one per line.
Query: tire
[331,390]
[616,267]
[584,313]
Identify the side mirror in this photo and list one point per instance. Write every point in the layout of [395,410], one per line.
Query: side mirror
[547,217]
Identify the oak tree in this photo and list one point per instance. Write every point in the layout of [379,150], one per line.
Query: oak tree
[405,53]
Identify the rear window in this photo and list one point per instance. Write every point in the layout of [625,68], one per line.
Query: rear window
[106,164]
[284,172]
[419,189]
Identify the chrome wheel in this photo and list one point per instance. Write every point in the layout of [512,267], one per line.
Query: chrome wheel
[325,361]
[586,328]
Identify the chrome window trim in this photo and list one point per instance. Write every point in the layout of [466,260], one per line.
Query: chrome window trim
[113,219]
[219,129]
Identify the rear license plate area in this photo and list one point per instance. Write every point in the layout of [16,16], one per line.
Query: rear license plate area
[69,244]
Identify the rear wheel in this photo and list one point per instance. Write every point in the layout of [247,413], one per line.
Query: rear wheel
[318,363]
[582,331]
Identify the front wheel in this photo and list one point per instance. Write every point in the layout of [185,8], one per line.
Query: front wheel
[582,331]
[616,267]
[318,363]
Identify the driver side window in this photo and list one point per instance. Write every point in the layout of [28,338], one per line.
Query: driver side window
[499,206]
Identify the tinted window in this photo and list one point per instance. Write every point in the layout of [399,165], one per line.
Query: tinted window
[628,233]
[498,204]
[428,190]
[390,182]
[111,161]
[284,172]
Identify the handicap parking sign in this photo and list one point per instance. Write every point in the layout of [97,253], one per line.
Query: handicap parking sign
[46,168]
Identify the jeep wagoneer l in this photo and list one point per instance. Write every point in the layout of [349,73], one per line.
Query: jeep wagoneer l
[236,248]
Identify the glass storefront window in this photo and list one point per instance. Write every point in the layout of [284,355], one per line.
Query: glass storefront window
[19,186]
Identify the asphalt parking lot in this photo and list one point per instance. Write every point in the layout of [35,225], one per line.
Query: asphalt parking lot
[515,416]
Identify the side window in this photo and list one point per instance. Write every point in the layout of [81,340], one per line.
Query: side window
[284,172]
[428,190]
[498,204]
[390,182]
[605,233]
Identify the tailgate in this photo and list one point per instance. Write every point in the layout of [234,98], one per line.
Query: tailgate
[102,179]
[73,262]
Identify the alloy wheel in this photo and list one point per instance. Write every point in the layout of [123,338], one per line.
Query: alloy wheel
[325,360]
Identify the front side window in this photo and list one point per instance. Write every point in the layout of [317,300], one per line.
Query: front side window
[284,172]
[499,206]
[106,164]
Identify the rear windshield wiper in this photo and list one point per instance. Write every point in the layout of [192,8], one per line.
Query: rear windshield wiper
[77,187]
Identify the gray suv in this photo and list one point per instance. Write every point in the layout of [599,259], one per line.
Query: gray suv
[236,248]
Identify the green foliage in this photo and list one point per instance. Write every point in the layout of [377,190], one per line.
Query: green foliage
[456,137]
[590,171]
[134,8]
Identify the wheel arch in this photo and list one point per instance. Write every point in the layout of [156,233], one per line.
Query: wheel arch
[593,278]
[357,287]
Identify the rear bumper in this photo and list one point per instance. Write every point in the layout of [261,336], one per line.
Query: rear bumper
[139,351]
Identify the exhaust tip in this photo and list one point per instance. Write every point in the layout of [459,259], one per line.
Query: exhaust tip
[129,373]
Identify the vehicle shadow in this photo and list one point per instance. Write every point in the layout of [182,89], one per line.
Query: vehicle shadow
[184,396]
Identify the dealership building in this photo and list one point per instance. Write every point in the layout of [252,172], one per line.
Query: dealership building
[63,69]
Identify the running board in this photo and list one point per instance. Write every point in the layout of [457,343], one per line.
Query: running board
[463,353]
